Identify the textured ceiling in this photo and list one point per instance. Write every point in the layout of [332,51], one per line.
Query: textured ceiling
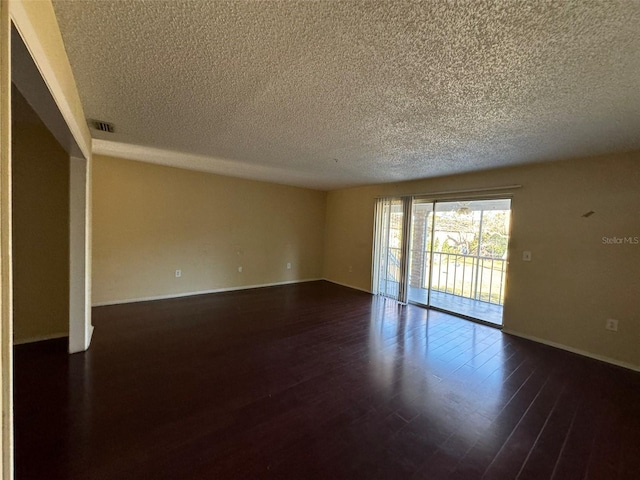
[334,93]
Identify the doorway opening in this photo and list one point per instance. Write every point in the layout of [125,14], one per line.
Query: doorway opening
[449,255]
[46,114]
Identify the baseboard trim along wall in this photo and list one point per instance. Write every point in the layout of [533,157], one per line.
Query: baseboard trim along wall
[345,285]
[41,338]
[577,351]
[200,292]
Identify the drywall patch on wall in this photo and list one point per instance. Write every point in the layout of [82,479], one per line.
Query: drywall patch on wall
[219,232]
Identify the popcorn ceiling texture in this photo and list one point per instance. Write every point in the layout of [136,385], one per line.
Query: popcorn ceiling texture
[391,90]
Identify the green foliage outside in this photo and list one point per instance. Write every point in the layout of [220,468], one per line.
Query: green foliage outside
[461,233]
[458,235]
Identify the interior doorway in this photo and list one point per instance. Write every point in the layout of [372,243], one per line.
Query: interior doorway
[449,255]
[27,79]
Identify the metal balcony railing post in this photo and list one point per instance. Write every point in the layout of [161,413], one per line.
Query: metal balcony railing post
[455,273]
[491,281]
[464,275]
[478,251]
[439,270]
[502,281]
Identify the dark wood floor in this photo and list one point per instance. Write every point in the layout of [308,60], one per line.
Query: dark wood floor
[316,381]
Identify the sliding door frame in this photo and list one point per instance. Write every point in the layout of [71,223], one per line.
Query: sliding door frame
[407,235]
[382,231]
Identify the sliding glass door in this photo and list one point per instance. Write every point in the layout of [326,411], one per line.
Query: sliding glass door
[449,255]
[389,241]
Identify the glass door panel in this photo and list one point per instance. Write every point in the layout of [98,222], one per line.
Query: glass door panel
[469,257]
[420,251]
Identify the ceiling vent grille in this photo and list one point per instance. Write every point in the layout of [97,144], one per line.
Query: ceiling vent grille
[102,126]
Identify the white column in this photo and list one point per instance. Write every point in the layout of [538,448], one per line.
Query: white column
[80,328]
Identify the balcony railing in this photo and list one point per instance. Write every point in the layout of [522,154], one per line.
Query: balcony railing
[471,276]
[477,277]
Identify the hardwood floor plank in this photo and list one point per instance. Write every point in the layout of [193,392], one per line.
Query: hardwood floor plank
[316,381]
[574,457]
[543,455]
[513,454]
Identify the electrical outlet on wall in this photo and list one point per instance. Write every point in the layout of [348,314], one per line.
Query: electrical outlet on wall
[178,273]
[611,324]
[288,265]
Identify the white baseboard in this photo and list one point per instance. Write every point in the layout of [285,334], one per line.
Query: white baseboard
[584,353]
[200,292]
[41,338]
[89,336]
[345,285]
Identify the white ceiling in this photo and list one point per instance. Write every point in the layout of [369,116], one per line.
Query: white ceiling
[328,94]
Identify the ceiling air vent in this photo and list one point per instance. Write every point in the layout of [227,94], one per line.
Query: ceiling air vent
[102,126]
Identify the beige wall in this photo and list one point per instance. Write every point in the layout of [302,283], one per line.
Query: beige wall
[40,228]
[151,220]
[574,282]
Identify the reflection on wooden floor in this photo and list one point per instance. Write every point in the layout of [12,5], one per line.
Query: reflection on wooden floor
[485,311]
